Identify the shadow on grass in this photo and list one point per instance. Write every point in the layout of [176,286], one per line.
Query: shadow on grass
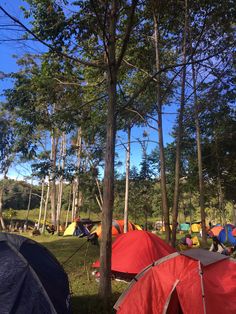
[91,304]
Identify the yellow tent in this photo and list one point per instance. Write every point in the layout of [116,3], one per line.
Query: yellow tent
[76,230]
[163,228]
[138,227]
[195,227]
[196,242]
[70,230]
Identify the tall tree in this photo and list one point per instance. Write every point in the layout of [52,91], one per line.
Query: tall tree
[180,129]
[165,208]
[127,165]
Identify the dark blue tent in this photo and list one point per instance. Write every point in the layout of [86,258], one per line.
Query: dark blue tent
[31,279]
[231,238]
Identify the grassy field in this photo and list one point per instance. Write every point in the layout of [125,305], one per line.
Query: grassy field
[84,288]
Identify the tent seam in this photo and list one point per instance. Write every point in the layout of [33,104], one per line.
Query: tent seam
[34,275]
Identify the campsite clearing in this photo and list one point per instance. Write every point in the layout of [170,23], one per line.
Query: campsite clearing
[83,285]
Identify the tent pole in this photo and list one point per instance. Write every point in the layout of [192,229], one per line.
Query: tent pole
[202,287]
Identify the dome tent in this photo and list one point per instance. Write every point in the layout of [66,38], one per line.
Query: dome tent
[184,227]
[135,250]
[214,231]
[117,228]
[76,230]
[32,280]
[195,281]
[223,238]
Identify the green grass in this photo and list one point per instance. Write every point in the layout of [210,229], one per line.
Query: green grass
[84,288]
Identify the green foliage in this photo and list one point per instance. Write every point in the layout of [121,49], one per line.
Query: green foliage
[16,195]
[10,213]
[6,141]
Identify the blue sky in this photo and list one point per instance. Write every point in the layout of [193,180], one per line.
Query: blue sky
[8,64]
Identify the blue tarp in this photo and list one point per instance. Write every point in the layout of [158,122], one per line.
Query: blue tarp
[231,238]
[81,230]
[184,227]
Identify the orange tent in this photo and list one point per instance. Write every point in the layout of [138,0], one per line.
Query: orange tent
[117,228]
[216,230]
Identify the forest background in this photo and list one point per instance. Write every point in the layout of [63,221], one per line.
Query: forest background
[106,68]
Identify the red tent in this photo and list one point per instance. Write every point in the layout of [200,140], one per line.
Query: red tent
[135,250]
[195,281]
[234,232]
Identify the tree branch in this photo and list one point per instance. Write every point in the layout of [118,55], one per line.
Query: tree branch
[139,69]
[170,67]
[127,33]
[83,62]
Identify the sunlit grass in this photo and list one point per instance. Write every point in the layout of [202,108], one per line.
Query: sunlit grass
[84,288]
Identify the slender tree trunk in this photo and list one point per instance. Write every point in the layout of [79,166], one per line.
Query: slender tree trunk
[46,208]
[100,200]
[69,205]
[54,141]
[234,213]
[179,134]
[199,160]
[221,200]
[164,198]
[81,200]
[2,225]
[219,187]
[28,207]
[73,200]
[41,204]
[77,179]
[127,181]
[199,150]
[108,190]
[59,201]
[98,197]
[190,211]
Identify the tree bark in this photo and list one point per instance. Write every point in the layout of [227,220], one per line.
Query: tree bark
[54,141]
[60,188]
[77,179]
[73,200]
[179,134]
[164,198]
[190,211]
[41,204]
[28,206]
[99,200]
[199,158]
[234,213]
[46,208]
[2,225]
[69,205]
[219,188]
[126,210]
[108,190]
